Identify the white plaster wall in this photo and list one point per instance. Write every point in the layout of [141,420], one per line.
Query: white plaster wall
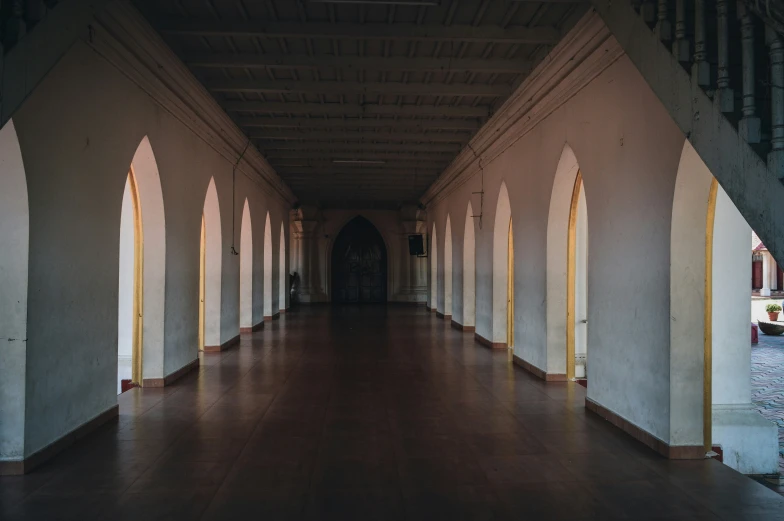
[75,194]
[581,278]
[687,298]
[14,237]
[731,353]
[125,288]
[501,223]
[283,271]
[557,247]
[434,282]
[268,307]
[628,150]
[448,267]
[466,299]
[213,268]
[148,186]
[246,268]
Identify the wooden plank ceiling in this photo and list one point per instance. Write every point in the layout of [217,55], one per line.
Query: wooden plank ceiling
[361,103]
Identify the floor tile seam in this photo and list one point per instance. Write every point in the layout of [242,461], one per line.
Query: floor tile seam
[176,440]
[250,436]
[462,436]
[179,386]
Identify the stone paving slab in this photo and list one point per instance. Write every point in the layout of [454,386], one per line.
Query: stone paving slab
[767,383]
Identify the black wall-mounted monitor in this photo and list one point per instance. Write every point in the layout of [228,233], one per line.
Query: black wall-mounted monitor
[416,245]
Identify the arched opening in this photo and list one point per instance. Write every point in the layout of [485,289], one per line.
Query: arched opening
[510,289]
[268,268]
[448,269]
[434,270]
[130,305]
[202,280]
[469,271]
[141,274]
[710,366]
[359,264]
[577,285]
[283,287]
[210,313]
[567,194]
[15,240]
[501,269]
[246,271]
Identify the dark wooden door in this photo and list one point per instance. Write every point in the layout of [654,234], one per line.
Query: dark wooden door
[756,274]
[359,264]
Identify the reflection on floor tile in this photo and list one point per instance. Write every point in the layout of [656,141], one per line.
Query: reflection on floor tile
[370,413]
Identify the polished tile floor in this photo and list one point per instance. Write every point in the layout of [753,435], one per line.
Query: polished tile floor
[375,414]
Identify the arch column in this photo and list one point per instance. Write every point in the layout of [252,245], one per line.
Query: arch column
[413,282]
[749,442]
[306,262]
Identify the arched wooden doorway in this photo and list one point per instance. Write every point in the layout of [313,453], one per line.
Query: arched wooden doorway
[359,264]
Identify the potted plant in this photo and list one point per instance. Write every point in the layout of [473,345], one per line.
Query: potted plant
[773,311]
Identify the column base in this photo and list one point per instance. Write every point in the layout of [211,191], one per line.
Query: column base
[749,442]
[224,346]
[171,378]
[487,343]
[19,467]
[461,327]
[765,292]
[644,437]
[539,373]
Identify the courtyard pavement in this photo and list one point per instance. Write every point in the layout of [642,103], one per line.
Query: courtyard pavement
[767,383]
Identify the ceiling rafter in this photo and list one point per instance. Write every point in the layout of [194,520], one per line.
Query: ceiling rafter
[391,63]
[362,136]
[367,31]
[346,87]
[330,156]
[356,109]
[358,147]
[415,125]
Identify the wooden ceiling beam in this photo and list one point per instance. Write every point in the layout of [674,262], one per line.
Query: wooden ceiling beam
[357,63]
[386,165]
[339,88]
[330,156]
[354,31]
[358,147]
[362,136]
[339,123]
[355,109]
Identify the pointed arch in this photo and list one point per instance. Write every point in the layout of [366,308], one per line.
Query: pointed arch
[448,269]
[434,270]
[501,253]
[268,312]
[558,220]
[283,287]
[14,254]
[576,284]
[469,270]
[142,270]
[212,253]
[246,270]
[359,264]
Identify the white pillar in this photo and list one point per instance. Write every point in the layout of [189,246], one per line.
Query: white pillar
[765,291]
[413,274]
[308,261]
[749,442]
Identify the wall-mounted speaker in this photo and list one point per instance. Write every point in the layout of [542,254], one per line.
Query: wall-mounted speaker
[416,245]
